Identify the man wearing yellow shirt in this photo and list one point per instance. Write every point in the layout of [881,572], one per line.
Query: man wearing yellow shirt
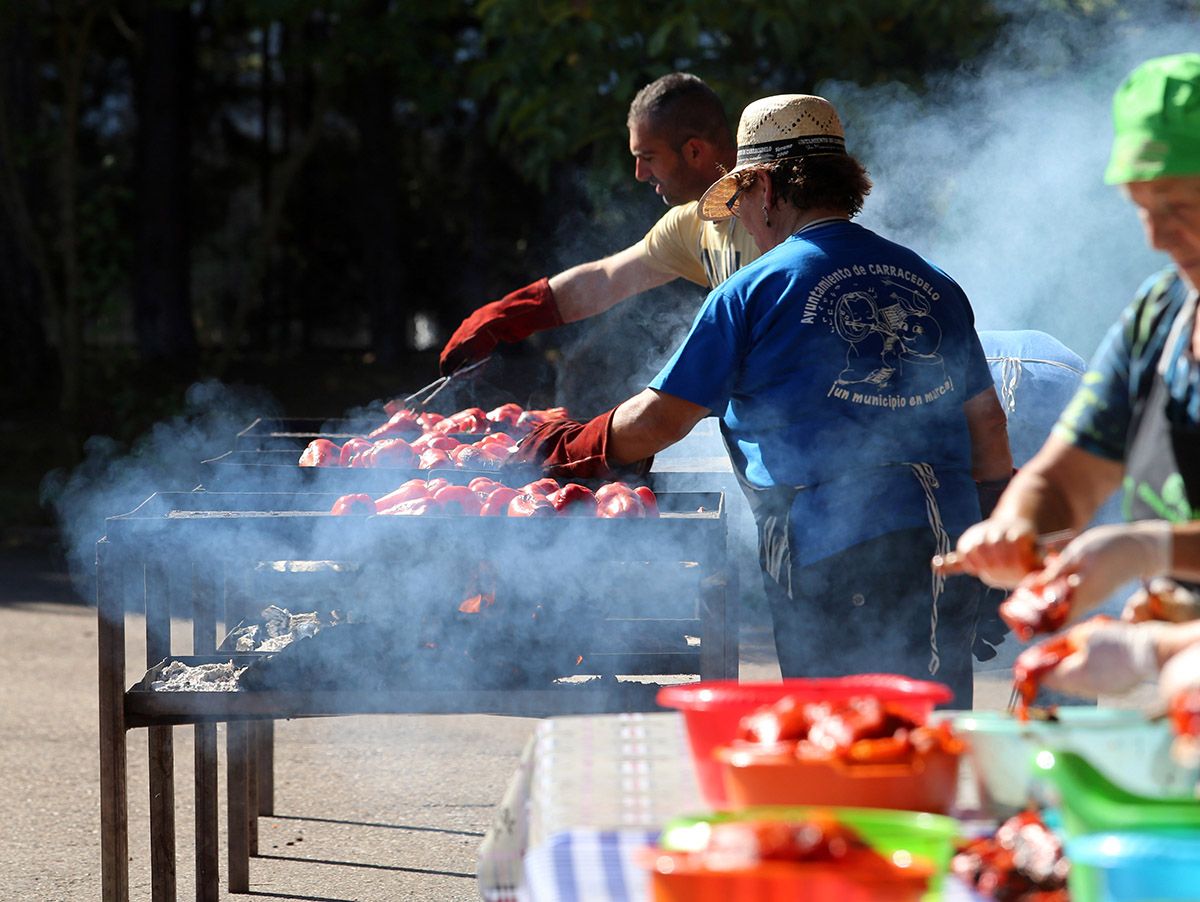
[681,143]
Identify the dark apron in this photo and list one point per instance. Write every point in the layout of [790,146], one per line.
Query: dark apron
[1162,462]
[772,510]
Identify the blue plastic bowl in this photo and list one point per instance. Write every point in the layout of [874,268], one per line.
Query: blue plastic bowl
[1114,867]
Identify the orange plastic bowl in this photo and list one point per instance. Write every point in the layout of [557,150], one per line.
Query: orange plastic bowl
[712,710]
[680,877]
[773,775]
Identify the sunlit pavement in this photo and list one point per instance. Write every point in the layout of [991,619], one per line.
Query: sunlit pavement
[367,808]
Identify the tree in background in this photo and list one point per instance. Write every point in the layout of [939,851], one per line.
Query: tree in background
[205,183]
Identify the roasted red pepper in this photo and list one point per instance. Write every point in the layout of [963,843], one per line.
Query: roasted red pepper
[543,486]
[470,421]
[483,485]
[506,415]
[620,504]
[440,442]
[817,838]
[497,501]
[458,499]
[414,488]
[613,488]
[358,504]
[530,505]
[1044,609]
[859,730]
[491,454]
[574,500]
[783,721]
[393,452]
[1033,664]
[1022,862]
[467,457]
[434,459]
[648,498]
[503,439]
[352,451]
[321,452]
[1184,712]
[403,424]
[417,507]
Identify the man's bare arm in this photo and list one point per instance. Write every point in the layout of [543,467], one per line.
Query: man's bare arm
[648,422]
[591,288]
[1062,487]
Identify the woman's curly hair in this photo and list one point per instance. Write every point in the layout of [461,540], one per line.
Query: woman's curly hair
[838,181]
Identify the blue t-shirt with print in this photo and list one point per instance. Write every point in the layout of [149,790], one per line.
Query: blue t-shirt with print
[834,360]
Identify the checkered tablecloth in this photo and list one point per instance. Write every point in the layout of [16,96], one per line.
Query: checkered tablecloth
[588,792]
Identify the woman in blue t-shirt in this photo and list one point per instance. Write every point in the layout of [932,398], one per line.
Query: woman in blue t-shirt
[855,400]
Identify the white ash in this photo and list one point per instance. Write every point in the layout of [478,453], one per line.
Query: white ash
[180,677]
[282,622]
[280,626]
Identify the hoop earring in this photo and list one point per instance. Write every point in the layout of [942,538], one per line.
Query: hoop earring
[766,215]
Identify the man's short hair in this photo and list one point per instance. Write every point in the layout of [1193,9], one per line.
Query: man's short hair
[681,106]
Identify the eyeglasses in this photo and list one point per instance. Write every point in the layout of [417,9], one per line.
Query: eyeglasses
[732,203]
[745,180]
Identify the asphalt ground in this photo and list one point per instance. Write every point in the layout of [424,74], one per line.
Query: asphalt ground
[366,808]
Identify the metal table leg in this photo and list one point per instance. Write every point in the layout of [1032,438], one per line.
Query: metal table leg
[114,803]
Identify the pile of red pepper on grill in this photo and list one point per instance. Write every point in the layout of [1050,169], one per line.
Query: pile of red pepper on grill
[1023,861]
[426,441]
[859,730]
[484,497]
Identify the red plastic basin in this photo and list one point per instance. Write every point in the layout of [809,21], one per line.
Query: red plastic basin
[775,776]
[712,710]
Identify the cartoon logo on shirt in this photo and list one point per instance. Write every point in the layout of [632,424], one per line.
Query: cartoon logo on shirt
[893,339]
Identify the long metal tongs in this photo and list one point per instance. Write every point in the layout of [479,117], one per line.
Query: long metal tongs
[422,396]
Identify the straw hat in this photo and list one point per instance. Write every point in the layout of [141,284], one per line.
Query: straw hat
[777,128]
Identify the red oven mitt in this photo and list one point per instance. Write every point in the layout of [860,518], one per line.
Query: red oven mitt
[515,316]
[572,449]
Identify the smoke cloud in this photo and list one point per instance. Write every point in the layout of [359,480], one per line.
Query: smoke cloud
[997,175]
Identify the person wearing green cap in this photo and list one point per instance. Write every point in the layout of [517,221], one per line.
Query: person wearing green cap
[1135,421]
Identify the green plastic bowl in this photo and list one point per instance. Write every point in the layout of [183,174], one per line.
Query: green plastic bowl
[922,835]
[1121,743]
[1091,803]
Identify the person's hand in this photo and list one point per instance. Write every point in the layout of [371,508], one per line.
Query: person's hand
[1162,599]
[1000,550]
[1180,673]
[1109,658]
[1101,560]
[514,317]
[1179,689]
[568,448]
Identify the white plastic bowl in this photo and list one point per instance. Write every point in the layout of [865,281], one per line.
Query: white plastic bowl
[1123,744]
